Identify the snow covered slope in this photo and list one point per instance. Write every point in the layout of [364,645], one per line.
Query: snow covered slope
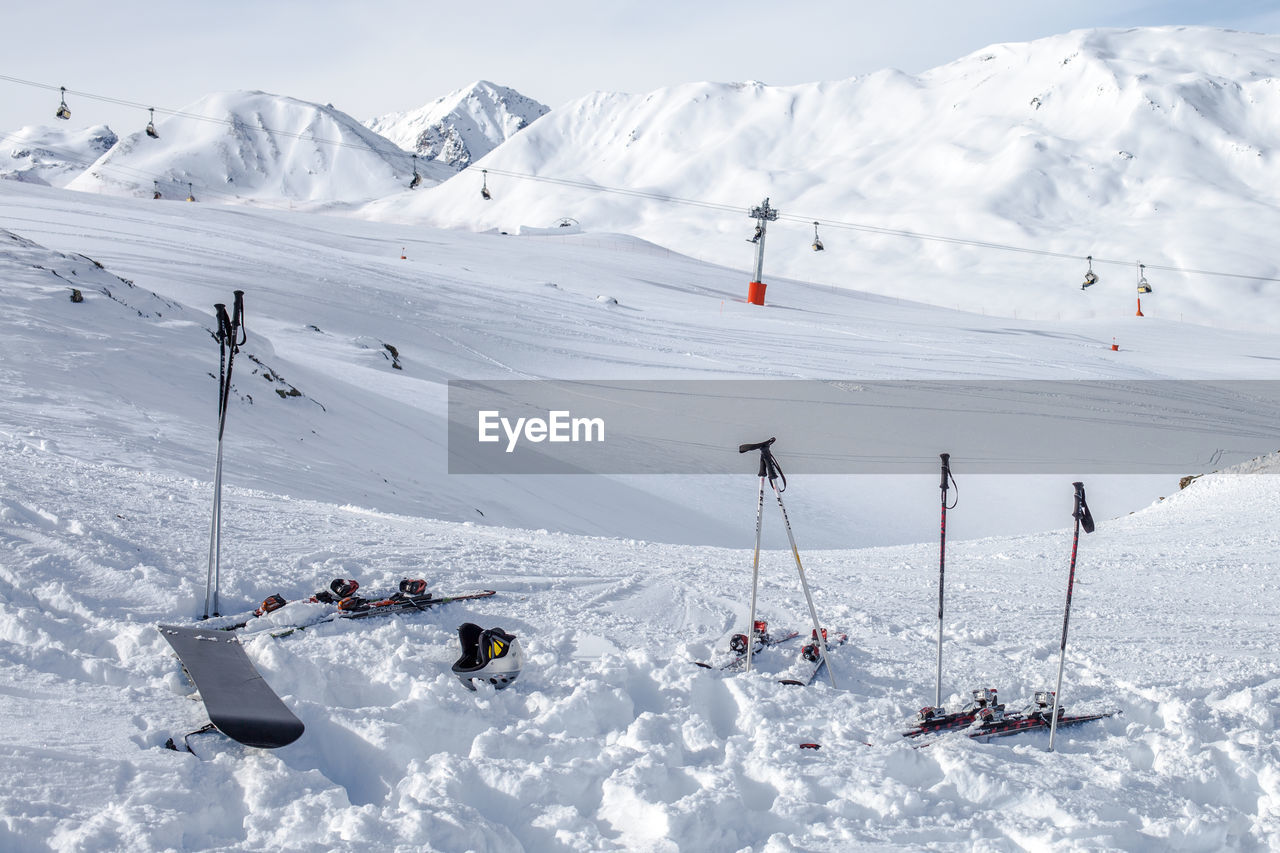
[1120,144]
[327,296]
[254,146]
[52,155]
[463,126]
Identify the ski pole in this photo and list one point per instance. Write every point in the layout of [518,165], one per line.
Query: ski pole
[942,566]
[804,584]
[223,334]
[763,447]
[235,338]
[230,336]
[1083,519]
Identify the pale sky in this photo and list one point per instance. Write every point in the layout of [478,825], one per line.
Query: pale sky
[378,56]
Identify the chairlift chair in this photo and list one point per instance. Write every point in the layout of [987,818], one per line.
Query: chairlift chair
[1143,286]
[151,124]
[417,179]
[484,186]
[817,243]
[157,189]
[63,112]
[191,195]
[1090,279]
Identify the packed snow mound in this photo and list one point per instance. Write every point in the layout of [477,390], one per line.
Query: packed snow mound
[255,146]
[53,156]
[463,126]
[1120,144]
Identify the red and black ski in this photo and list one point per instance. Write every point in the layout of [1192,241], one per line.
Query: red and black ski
[934,720]
[1028,722]
[385,607]
[738,647]
[812,653]
[340,596]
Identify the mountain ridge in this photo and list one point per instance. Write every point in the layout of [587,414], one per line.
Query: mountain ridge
[462,126]
[1106,143]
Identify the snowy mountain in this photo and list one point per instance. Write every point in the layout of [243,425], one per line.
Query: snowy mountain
[52,155]
[610,739]
[463,126]
[254,146]
[1113,143]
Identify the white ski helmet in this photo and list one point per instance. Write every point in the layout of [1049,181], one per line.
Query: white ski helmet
[489,654]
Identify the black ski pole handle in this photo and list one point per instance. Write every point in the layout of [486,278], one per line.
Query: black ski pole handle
[769,466]
[1081,511]
[763,445]
[946,475]
[224,323]
[237,320]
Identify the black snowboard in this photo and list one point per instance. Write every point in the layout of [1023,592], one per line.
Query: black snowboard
[240,703]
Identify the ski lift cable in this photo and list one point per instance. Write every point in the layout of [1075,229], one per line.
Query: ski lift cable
[288,134]
[625,191]
[872,229]
[661,197]
[118,170]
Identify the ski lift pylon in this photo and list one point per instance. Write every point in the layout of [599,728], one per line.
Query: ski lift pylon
[1090,279]
[417,179]
[151,124]
[817,242]
[484,185]
[63,112]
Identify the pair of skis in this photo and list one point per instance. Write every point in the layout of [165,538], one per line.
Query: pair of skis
[740,647]
[933,719]
[814,661]
[984,718]
[386,607]
[815,657]
[340,601]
